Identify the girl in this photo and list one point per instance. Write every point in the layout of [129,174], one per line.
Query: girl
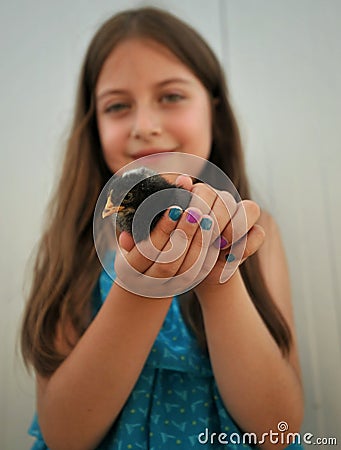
[116,370]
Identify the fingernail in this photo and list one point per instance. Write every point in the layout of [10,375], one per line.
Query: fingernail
[192,216]
[230,257]
[175,213]
[221,242]
[206,223]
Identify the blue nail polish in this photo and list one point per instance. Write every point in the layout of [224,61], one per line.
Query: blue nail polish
[206,223]
[230,257]
[175,213]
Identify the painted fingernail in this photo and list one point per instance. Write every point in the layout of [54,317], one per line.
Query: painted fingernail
[221,242]
[192,216]
[230,257]
[206,223]
[175,213]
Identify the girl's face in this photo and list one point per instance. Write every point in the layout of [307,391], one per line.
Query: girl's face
[148,102]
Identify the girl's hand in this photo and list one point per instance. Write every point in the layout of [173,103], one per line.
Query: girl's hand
[235,225]
[172,260]
[182,253]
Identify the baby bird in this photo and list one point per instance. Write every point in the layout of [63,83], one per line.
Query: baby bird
[123,200]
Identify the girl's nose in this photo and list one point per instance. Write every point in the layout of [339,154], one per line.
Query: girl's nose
[146,124]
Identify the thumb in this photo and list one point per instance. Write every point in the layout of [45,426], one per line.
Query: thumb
[185,182]
[126,241]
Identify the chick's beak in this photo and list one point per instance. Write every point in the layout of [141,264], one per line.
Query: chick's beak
[110,208]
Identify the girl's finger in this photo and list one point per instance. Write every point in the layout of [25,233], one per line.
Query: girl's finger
[196,254]
[255,239]
[144,253]
[203,198]
[223,210]
[243,220]
[185,182]
[169,261]
[126,241]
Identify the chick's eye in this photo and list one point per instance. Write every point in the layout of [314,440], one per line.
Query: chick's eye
[129,197]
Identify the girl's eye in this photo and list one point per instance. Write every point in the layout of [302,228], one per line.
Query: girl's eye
[116,107]
[171,98]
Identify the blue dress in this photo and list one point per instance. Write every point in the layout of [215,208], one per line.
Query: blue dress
[175,404]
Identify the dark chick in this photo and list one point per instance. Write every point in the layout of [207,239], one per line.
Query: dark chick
[123,200]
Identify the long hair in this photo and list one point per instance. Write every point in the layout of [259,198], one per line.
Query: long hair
[67,267]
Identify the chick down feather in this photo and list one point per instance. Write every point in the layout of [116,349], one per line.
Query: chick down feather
[128,192]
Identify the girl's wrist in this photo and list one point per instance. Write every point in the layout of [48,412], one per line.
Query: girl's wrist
[210,292]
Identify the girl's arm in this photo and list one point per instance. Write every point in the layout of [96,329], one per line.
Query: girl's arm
[259,386]
[79,402]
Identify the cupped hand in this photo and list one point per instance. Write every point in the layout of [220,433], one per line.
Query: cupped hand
[236,233]
[171,260]
[185,252]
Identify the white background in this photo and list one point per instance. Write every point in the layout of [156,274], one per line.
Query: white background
[283,64]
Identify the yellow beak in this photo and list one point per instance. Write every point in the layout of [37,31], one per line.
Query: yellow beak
[110,208]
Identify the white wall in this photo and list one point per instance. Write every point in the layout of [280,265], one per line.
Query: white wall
[283,64]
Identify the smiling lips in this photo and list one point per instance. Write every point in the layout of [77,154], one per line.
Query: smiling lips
[150,151]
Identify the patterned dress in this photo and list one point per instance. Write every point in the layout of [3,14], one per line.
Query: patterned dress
[175,404]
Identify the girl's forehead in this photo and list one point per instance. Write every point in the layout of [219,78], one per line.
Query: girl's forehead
[137,58]
[142,46]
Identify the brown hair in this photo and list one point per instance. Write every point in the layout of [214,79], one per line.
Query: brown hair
[67,267]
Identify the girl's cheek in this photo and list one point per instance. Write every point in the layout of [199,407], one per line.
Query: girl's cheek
[111,135]
[196,134]
[110,146]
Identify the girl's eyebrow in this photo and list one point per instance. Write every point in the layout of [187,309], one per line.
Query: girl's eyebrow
[174,80]
[162,83]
